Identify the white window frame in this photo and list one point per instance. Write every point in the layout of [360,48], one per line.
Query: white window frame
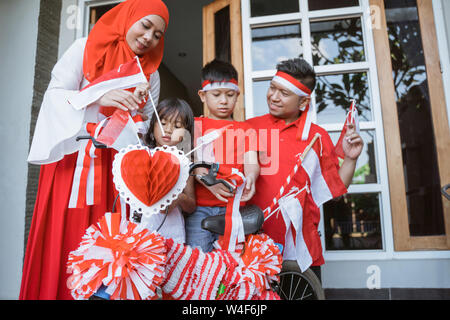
[369,66]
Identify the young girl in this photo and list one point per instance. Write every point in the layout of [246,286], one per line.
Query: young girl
[177,121]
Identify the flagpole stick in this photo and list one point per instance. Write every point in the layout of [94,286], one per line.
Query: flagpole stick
[151,98]
[157,115]
[296,167]
[290,195]
[305,152]
[196,148]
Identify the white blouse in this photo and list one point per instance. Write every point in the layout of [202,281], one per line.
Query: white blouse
[59,123]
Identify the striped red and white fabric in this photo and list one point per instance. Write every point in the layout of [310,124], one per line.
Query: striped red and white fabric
[351,118]
[295,247]
[128,75]
[86,184]
[192,274]
[234,227]
[255,265]
[324,180]
[120,131]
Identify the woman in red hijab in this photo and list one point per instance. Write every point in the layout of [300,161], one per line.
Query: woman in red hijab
[132,28]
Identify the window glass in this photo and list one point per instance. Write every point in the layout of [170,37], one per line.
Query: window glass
[334,94]
[366,171]
[331,4]
[259,97]
[337,41]
[353,222]
[264,7]
[95,12]
[222,34]
[271,45]
[422,181]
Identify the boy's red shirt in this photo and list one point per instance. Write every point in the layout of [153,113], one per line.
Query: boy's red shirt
[268,185]
[229,151]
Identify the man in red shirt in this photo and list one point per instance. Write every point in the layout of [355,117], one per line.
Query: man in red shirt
[284,133]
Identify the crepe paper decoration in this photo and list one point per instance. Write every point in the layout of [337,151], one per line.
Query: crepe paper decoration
[149,180]
[149,177]
[257,263]
[124,257]
[267,295]
[261,261]
[192,274]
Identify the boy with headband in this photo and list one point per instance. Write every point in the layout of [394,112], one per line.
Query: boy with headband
[231,150]
[290,121]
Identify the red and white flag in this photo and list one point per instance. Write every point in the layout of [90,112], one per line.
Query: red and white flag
[120,131]
[295,247]
[128,75]
[325,182]
[351,118]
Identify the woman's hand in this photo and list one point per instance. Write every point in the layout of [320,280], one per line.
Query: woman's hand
[121,99]
[141,91]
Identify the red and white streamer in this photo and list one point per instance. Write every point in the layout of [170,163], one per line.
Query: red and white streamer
[120,255]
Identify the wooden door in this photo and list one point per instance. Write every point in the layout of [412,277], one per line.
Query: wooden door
[222,39]
[415,122]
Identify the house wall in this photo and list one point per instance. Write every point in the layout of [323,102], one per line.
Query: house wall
[18,38]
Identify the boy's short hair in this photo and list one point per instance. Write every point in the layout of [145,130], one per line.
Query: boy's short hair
[219,71]
[300,70]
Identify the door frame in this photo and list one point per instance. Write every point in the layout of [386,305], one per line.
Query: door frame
[209,52]
[403,241]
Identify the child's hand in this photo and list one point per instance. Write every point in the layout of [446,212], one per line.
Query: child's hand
[249,190]
[352,143]
[141,91]
[220,192]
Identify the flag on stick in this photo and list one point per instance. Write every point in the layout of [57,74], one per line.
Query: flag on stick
[120,131]
[128,75]
[351,118]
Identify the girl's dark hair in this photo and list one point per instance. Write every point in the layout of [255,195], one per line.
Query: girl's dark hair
[167,108]
[219,71]
[300,70]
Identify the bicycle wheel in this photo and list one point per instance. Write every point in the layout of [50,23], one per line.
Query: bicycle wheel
[297,285]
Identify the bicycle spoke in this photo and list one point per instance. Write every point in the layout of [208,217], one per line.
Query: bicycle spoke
[298,283]
[290,287]
[281,288]
[306,287]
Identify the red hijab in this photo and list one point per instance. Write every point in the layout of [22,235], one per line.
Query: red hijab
[106,46]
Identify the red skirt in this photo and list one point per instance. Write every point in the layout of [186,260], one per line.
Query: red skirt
[56,230]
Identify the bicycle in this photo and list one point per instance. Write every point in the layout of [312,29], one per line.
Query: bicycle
[293,284]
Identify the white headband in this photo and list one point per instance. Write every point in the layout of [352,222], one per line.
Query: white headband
[212,85]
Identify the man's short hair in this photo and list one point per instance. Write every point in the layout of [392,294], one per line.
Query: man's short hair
[300,70]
